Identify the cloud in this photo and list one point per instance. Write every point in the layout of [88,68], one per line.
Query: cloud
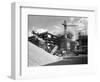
[41,30]
[38,30]
[57,30]
[30,33]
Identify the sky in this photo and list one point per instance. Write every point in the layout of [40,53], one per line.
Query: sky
[53,24]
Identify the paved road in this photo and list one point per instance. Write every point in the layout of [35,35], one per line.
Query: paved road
[71,60]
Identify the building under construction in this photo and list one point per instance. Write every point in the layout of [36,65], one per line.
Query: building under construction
[60,45]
